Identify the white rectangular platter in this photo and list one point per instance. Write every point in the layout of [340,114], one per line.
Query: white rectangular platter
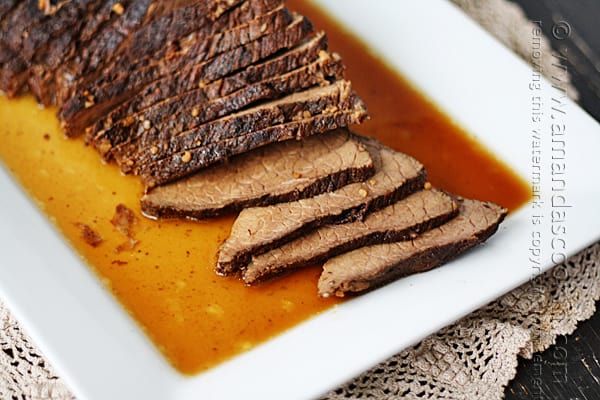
[102,354]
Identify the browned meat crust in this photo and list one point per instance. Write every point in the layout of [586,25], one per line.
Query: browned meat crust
[189,161]
[280,172]
[260,229]
[403,220]
[78,112]
[164,92]
[183,113]
[373,266]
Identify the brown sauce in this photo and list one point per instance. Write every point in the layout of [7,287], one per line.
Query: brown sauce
[406,121]
[166,282]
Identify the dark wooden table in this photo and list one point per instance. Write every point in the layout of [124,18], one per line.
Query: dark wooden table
[574,30]
[568,371]
[571,369]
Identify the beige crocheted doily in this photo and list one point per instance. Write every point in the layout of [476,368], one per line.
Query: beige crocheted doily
[472,359]
[476,357]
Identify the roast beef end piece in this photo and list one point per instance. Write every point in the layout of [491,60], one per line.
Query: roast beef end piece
[403,220]
[370,267]
[284,171]
[260,229]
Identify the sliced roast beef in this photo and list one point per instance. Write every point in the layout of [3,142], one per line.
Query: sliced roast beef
[190,161]
[15,26]
[108,11]
[31,35]
[259,229]
[189,112]
[167,91]
[6,54]
[83,108]
[285,171]
[403,220]
[166,109]
[156,144]
[43,72]
[372,266]
[235,141]
[31,30]
[6,7]
[13,71]
[193,124]
[69,17]
[176,24]
[162,25]
[136,53]
[53,40]
[43,80]
[189,62]
[13,75]
[99,49]
[199,46]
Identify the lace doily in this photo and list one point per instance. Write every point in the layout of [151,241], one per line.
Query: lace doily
[476,357]
[471,359]
[24,374]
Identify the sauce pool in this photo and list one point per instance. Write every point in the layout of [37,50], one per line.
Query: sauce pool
[406,121]
[167,281]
